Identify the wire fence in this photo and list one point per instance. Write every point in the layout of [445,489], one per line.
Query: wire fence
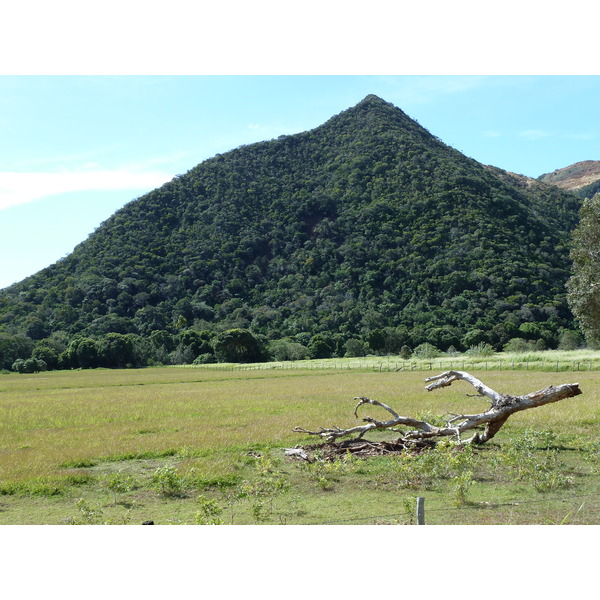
[404,366]
[403,516]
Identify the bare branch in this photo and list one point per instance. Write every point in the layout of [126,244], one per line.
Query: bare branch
[447,378]
[503,405]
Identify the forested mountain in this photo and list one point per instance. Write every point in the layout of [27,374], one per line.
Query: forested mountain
[366,228]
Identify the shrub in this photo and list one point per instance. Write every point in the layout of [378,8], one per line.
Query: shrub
[426,350]
[209,513]
[282,350]
[29,365]
[481,349]
[355,347]
[204,359]
[570,340]
[516,345]
[167,481]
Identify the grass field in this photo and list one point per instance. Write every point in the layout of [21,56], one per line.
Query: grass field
[204,446]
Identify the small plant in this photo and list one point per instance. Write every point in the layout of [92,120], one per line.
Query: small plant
[120,483]
[325,473]
[209,512]
[88,515]
[541,467]
[167,481]
[409,504]
[460,486]
[265,489]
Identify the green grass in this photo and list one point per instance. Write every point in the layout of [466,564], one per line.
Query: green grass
[147,444]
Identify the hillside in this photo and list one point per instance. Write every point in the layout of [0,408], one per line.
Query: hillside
[582,178]
[365,223]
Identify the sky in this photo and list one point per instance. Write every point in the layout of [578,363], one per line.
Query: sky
[94,117]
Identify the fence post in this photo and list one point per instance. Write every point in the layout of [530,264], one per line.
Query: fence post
[420,510]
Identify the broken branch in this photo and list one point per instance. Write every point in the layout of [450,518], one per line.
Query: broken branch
[492,419]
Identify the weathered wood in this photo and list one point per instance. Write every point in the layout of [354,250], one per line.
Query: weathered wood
[492,419]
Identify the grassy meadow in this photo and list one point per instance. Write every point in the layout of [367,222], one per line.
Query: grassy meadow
[205,446]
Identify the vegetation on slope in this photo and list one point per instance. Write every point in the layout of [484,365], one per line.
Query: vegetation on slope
[365,229]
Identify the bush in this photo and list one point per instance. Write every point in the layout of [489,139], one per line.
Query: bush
[481,349]
[167,481]
[570,340]
[517,345]
[426,350]
[355,347]
[29,365]
[205,359]
[282,350]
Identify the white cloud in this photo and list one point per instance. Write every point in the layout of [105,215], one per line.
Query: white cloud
[534,134]
[20,188]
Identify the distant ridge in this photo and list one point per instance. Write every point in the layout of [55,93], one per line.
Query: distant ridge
[365,224]
[575,177]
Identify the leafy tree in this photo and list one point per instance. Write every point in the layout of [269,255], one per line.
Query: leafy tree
[356,347]
[517,345]
[570,340]
[29,365]
[117,350]
[47,353]
[13,347]
[83,352]
[584,285]
[283,350]
[475,337]
[321,346]
[239,345]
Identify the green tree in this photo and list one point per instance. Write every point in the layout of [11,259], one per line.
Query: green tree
[13,347]
[83,352]
[239,345]
[583,288]
[44,351]
[356,347]
[117,350]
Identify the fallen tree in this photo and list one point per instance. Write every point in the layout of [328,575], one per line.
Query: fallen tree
[423,433]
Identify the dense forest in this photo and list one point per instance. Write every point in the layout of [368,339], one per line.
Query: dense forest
[366,234]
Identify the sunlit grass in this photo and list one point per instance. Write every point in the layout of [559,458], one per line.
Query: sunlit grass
[71,430]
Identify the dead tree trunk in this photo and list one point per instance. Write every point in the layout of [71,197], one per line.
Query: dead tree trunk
[491,420]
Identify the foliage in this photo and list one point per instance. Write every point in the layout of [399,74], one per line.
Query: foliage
[209,512]
[367,228]
[517,345]
[584,285]
[239,345]
[167,481]
[356,347]
[481,349]
[31,365]
[426,350]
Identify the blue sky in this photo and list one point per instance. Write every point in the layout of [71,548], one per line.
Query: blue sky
[101,104]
